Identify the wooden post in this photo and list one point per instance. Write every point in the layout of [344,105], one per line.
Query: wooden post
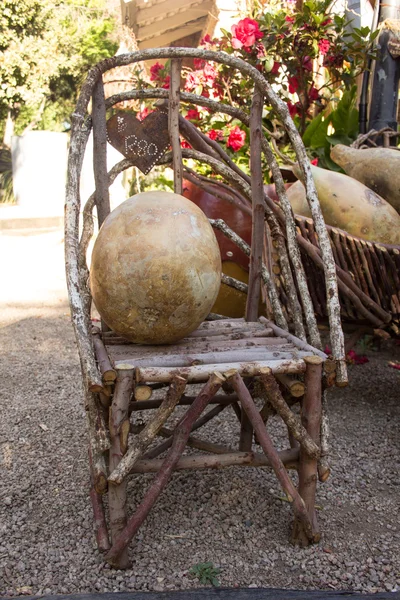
[119,431]
[311,420]
[173,124]
[257,192]
[100,151]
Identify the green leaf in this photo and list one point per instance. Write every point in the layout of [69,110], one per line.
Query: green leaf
[316,132]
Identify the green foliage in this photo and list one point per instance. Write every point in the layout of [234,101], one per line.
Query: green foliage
[48,46]
[206,573]
[342,121]
[6,183]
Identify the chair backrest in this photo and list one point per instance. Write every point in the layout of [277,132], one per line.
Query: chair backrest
[273,226]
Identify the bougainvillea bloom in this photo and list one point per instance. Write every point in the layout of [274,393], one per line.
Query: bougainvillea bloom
[215,134]
[193,114]
[307,63]
[143,113]
[293,84]
[324,46]
[313,94]
[245,34]
[275,69]
[356,359]
[294,109]
[185,144]
[289,19]
[155,71]
[236,138]
[315,162]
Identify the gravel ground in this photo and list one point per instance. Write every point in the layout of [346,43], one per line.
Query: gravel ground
[234,518]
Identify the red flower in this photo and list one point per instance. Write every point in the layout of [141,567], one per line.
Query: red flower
[236,138]
[394,365]
[293,84]
[289,19]
[294,109]
[199,63]
[245,34]
[205,40]
[313,93]
[155,71]
[326,22]
[166,82]
[307,63]
[193,114]
[324,45]
[141,115]
[315,162]
[275,69]
[215,134]
[356,359]
[185,144]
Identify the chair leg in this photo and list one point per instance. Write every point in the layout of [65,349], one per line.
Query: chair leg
[311,411]
[119,431]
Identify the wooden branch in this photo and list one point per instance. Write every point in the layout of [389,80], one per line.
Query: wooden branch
[119,431]
[257,193]
[196,425]
[108,374]
[206,358]
[184,401]
[98,468]
[212,188]
[307,470]
[245,459]
[295,258]
[294,386]
[289,418]
[201,372]
[142,393]
[301,344]
[100,527]
[234,283]
[181,436]
[248,405]
[324,469]
[145,437]
[270,286]
[100,152]
[173,124]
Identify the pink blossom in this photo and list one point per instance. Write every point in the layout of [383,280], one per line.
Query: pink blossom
[199,63]
[289,19]
[356,359]
[210,74]
[245,34]
[294,109]
[185,144]
[236,138]
[193,80]
[166,82]
[314,162]
[324,46]
[215,134]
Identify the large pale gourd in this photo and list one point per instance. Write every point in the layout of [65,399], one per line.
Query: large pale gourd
[348,204]
[377,168]
[156,268]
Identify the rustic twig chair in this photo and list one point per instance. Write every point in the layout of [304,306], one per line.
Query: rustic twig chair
[230,358]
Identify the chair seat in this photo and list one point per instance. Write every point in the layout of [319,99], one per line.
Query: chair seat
[215,346]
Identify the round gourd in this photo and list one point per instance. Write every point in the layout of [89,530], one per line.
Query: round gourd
[156,268]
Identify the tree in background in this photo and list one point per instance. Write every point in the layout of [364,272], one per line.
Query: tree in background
[46,49]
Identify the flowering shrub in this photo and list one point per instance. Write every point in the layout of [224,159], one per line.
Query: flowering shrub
[306,56]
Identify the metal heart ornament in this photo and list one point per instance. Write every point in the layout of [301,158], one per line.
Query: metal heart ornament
[142,142]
